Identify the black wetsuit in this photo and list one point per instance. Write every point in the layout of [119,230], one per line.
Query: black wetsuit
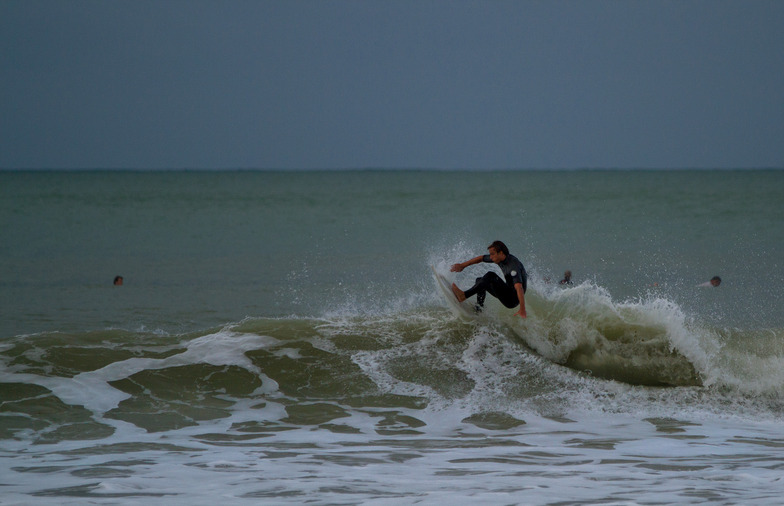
[502,289]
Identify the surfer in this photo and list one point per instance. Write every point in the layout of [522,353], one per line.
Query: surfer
[567,280]
[510,290]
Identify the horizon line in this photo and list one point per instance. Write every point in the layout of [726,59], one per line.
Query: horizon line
[374,169]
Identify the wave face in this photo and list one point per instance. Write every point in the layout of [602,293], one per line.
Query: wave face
[63,385]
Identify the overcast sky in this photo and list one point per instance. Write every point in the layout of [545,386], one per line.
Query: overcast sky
[386,84]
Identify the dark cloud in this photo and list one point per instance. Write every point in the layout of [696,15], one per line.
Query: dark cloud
[451,84]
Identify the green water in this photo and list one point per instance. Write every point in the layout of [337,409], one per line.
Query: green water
[279,337]
[201,249]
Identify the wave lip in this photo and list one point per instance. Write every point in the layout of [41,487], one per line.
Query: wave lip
[647,342]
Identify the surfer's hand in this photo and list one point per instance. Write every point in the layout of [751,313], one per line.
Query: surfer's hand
[457,268]
[521,313]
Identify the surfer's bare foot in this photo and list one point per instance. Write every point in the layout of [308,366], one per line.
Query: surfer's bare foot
[458,293]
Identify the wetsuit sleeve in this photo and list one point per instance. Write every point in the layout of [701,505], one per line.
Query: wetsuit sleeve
[518,274]
[486,259]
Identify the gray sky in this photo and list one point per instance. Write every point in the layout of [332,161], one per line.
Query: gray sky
[397,83]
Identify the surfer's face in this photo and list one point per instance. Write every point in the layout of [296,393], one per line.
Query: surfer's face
[496,256]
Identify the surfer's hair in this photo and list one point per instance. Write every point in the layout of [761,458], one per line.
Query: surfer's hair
[499,246]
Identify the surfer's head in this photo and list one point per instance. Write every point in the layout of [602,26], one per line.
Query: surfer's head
[715,281]
[500,247]
[498,251]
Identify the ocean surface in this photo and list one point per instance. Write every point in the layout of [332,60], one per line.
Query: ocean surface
[279,338]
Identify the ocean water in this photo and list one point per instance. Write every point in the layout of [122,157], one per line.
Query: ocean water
[279,338]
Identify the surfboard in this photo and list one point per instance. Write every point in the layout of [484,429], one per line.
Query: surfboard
[462,310]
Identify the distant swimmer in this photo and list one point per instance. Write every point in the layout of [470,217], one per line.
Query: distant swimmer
[714,281]
[118,280]
[510,290]
[567,280]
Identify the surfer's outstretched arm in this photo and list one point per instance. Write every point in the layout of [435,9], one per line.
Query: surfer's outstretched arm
[521,298]
[461,266]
